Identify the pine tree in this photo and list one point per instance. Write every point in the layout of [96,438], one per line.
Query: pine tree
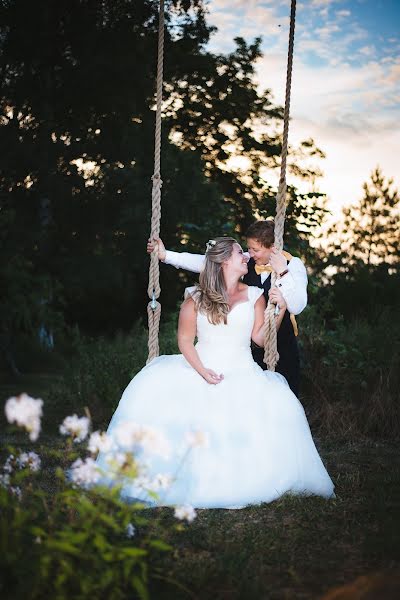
[368,233]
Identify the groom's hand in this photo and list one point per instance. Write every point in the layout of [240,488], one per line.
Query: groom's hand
[158,244]
[277,261]
[211,377]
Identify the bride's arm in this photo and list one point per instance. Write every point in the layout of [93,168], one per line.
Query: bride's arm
[186,337]
[257,335]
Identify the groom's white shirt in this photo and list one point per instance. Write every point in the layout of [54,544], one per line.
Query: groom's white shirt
[293,285]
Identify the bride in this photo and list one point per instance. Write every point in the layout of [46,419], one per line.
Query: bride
[258,442]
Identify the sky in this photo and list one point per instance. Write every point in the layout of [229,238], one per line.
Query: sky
[346,80]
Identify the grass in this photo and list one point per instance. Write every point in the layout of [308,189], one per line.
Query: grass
[292,548]
[298,547]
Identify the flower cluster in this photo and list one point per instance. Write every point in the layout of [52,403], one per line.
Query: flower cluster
[10,464]
[4,480]
[25,412]
[30,460]
[138,438]
[185,512]
[120,450]
[85,473]
[76,427]
[99,441]
[130,530]
[154,484]
[197,439]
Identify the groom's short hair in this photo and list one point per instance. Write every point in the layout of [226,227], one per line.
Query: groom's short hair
[263,232]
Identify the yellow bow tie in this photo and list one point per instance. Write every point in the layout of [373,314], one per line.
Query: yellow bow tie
[267,268]
[263,269]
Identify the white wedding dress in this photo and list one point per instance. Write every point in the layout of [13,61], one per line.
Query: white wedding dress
[259,442]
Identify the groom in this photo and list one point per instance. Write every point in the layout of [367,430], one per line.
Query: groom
[291,282]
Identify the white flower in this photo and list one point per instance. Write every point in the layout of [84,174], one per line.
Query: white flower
[9,464]
[77,427]
[29,459]
[99,441]
[118,459]
[85,473]
[130,530]
[25,412]
[185,512]
[197,439]
[5,480]
[16,491]
[134,437]
[159,482]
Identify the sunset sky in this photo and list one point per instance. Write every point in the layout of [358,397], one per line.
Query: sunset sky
[346,80]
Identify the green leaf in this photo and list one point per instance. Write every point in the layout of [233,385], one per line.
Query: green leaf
[134,552]
[141,588]
[160,545]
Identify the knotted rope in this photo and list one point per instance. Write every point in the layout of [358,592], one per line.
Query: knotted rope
[271,355]
[154,290]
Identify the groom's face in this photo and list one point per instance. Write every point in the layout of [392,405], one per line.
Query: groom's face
[258,252]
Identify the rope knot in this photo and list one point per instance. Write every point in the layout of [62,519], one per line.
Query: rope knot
[157,178]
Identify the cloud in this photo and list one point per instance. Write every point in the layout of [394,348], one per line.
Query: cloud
[342,13]
[345,89]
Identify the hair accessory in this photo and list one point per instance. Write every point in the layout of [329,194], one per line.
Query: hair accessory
[210,244]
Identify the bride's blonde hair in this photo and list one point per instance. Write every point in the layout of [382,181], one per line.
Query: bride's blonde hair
[212,296]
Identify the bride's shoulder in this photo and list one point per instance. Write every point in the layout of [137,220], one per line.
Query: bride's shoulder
[191,292]
[254,292]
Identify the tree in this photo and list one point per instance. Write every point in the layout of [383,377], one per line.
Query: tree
[364,253]
[77,135]
[368,233]
[219,113]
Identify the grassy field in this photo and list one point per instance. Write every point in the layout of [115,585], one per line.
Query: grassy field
[298,547]
[292,548]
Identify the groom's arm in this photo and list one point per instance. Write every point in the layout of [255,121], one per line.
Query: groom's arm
[184,260]
[180,260]
[293,286]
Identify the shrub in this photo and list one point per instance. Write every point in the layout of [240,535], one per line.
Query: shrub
[101,368]
[75,539]
[351,374]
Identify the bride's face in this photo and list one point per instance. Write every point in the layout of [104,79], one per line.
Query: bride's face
[237,262]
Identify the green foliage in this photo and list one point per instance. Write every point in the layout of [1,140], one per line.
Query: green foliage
[101,368]
[368,233]
[74,543]
[363,291]
[351,370]
[304,215]
[77,137]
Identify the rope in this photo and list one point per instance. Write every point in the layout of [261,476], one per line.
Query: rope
[154,290]
[271,355]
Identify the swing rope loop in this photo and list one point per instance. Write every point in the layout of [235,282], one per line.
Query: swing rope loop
[154,290]
[271,355]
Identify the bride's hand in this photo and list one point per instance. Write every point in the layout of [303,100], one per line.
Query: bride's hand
[156,243]
[211,377]
[276,297]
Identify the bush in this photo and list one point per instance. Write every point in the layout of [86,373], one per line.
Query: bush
[70,537]
[74,544]
[351,374]
[101,368]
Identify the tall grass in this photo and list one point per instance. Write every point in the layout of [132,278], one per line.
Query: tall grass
[351,374]
[101,368]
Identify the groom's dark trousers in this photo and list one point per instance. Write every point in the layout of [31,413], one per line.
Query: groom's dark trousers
[288,364]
